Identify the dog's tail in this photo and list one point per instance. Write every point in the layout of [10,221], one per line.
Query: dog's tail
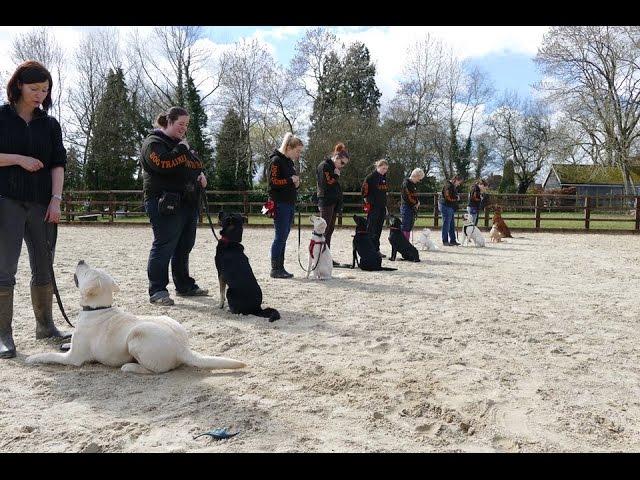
[203,361]
[271,313]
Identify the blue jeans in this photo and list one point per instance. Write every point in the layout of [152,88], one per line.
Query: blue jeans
[474,214]
[448,223]
[408,217]
[282,223]
[173,239]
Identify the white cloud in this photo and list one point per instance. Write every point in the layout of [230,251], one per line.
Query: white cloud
[388,45]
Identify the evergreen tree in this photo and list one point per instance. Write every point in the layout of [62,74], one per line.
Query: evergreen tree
[230,169]
[508,182]
[112,157]
[196,136]
[346,110]
[73,170]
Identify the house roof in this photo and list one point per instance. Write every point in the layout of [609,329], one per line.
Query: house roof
[569,174]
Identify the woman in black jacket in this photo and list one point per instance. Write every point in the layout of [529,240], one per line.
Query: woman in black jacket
[329,191]
[283,185]
[32,162]
[374,193]
[172,178]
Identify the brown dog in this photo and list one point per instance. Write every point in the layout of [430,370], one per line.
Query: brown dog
[498,222]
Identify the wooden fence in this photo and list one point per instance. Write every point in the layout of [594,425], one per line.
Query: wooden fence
[121,206]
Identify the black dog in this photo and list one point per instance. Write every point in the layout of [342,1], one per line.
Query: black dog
[244,294]
[363,247]
[400,244]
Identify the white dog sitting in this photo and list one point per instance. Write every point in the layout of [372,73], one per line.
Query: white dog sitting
[495,235]
[425,242]
[113,337]
[471,233]
[320,261]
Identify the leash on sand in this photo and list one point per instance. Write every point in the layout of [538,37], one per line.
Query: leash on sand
[299,243]
[52,273]
[205,205]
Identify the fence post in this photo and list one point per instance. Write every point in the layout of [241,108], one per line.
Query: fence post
[435,211]
[637,213]
[111,202]
[245,205]
[587,213]
[537,212]
[486,217]
[340,218]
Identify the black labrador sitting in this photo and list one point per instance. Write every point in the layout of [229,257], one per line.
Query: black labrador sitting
[363,248]
[244,294]
[400,244]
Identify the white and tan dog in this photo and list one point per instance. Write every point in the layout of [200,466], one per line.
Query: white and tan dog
[113,337]
[495,234]
[425,242]
[471,233]
[320,261]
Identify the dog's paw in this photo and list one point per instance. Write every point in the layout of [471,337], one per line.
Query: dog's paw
[31,359]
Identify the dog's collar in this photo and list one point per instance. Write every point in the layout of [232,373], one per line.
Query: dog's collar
[394,228]
[318,234]
[91,309]
[361,231]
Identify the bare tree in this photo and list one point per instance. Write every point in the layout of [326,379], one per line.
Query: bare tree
[595,72]
[307,66]
[414,107]
[523,132]
[248,67]
[97,52]
[167,59]
[40,45]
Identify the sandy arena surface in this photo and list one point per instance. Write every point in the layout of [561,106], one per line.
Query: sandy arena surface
[530,345]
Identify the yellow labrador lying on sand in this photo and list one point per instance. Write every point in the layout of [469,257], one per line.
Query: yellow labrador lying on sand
[113,337]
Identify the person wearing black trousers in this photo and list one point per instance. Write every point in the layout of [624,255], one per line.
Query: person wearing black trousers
[172,178]
[374,193]
[32,162]
[329,190]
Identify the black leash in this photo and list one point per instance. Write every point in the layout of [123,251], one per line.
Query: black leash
[52,272]
[205,205]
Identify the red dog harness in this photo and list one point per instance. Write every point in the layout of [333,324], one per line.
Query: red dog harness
[313,243]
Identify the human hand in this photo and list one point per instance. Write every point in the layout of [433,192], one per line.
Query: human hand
[53,211]
[30,164]
[203,180]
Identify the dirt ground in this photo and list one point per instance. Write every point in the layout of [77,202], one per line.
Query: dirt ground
[530,345]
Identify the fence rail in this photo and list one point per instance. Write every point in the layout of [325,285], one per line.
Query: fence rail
[120,205]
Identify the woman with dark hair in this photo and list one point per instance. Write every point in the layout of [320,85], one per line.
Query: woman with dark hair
[476,199]
[448,205]
[329,191]
[32,162]
[172,181]
[374,192]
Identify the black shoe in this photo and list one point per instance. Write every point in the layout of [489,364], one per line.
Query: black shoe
[446,244]
[382,255]
[196,292]
[278,271]
[7,347]
[454,244]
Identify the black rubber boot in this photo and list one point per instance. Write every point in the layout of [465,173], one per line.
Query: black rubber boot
[7,347]
[277,270]
[42,301]
[287,274]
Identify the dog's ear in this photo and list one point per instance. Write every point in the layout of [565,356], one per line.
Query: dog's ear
[91,288]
